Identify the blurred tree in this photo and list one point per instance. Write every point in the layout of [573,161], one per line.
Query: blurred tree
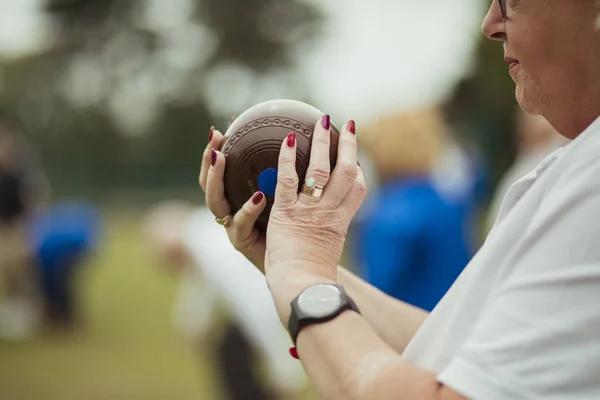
[122,99]
[258,32]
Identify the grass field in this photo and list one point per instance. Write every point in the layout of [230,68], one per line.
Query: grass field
[127,349]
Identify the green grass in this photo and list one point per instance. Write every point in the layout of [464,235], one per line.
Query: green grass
[126,349]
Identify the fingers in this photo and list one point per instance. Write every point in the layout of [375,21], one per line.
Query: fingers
[346,169]
[215,187]
[319,166]
[244,220]
[286,192]
[356,195]
[215,138]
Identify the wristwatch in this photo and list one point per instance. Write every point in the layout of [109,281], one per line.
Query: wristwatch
[317,304]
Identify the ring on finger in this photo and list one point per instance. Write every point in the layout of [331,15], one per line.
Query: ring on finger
[225,221]
[311,188]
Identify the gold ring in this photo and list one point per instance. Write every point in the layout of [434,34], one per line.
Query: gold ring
[225,220]
[311,188]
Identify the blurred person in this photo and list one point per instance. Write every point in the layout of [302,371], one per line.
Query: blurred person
[22,193]
[461,173]
[61,239]
[19,166]
[367,164]
[212,274]
[416,237]
[535,138]
[361,219]
[522,320]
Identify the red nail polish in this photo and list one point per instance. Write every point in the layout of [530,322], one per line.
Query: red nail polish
[294,353]
[210,133]
[213,157]
[291,139]
[326,121]
[257,198]
[352,127]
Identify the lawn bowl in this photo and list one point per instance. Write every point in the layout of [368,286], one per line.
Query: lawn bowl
[252,144]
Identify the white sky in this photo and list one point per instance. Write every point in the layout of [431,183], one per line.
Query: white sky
[382,55]
[23,28]
[377,55]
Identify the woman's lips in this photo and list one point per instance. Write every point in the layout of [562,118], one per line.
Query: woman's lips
[512,63]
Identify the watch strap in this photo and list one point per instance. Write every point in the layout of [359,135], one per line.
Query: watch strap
[298,320]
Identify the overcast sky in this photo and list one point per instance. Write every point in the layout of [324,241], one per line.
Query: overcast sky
[381,55]
[22,27]
[377,55]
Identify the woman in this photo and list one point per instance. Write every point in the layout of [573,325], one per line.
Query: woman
[416,235]
[522,319]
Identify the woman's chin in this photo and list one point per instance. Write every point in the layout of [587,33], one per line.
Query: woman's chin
[526,102]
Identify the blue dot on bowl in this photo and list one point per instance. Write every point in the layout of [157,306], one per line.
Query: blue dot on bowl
[267,181]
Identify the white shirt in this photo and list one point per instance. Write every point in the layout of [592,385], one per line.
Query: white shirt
[523,319]
[244,291]
[525,163]
[195,305]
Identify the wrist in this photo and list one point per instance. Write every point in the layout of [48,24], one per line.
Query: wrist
[298,274]
[317,305]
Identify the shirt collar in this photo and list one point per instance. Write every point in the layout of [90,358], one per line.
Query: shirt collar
[591,133]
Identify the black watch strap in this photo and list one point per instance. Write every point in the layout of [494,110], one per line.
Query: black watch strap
[299,320]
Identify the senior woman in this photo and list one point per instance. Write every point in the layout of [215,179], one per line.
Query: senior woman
[522,320]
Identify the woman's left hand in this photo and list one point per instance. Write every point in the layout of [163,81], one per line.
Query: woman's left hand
[306,233]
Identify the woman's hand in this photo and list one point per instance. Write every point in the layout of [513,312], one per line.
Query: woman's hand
[306,232]
[240,229]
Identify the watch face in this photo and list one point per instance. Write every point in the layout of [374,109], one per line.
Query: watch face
[320,300]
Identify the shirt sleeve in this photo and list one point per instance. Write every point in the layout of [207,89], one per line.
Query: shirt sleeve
[539,334]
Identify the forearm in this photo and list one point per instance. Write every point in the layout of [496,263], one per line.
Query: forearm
[346,359]
[394,321]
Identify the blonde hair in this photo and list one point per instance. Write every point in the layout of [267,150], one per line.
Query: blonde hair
[406,143]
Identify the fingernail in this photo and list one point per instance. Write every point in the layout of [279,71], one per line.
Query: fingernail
[351,127]
[326,121]
[213,157]
[291,139]
[210,133]
[257,198]
[294,353]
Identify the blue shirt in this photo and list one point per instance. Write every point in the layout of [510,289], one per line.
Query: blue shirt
[64,233]
[414,243]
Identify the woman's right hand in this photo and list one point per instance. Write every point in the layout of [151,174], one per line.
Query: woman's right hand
[241,230]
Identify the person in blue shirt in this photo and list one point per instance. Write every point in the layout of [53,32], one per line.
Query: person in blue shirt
[60,239]
[416,232]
